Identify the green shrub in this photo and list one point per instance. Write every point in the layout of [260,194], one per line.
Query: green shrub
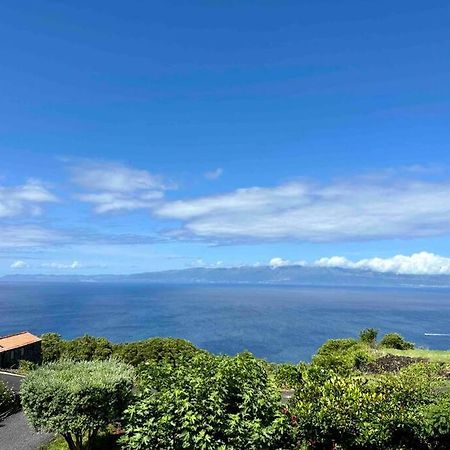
[342,355]
[355,413]
[26,366]
[209,403]
[369,336]
[8,400]
[87,348]
[435,424]
[396,341]
[76,399]
[285,376]
[169,350]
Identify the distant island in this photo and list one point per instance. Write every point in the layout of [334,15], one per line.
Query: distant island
[286,275]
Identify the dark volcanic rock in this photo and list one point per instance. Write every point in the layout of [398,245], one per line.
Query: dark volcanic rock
[391,363]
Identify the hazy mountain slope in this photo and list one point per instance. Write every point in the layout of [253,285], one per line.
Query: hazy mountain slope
[292,275]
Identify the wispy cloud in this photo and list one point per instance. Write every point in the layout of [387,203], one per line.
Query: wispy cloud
[116,187]
[63,265]
[114,177]
[214,174]
[17,237]
[117,201]
[26,199]
[28,236]
[362,208]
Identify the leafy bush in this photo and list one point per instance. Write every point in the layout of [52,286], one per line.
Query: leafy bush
[7,400]
[285,376]
[435,424]
[342,355]
[26,366]
[354,412]
[210,403]
[76,399]
[369,336]
[396,341]
[169,350]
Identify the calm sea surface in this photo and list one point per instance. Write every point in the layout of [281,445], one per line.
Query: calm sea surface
[277,323]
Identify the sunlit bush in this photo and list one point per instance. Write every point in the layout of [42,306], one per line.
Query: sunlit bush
[211,403]
[355,412]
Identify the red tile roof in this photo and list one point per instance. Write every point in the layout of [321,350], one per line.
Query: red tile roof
[17,340]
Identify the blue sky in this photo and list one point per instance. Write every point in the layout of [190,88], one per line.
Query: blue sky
[157,135]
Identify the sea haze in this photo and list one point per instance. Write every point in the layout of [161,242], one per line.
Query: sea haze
[279,323]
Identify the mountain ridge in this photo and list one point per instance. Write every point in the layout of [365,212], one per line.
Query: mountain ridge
[285,275]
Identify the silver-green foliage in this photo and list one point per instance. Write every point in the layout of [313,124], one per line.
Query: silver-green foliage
[76,399]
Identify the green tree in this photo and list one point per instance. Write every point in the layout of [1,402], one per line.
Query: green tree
[87,348]
[76,399]
[210,403]
[396,341]
[52,347]
[170,350]
[369,336]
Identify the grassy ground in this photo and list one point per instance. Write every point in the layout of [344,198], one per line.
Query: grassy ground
[432,355]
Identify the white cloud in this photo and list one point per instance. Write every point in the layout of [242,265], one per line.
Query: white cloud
[19,264]
[116,187]
[335,261]
[58,265]
[422,263]
[280,262]
[24,199]
[362,208]
[214,174]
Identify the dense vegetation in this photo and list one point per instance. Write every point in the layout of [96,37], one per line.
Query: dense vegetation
[89,348]
[208,403]
[355,394]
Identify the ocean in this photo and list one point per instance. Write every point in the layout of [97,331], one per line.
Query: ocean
[281,324]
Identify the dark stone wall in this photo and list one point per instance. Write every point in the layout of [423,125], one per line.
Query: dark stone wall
[10,359]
